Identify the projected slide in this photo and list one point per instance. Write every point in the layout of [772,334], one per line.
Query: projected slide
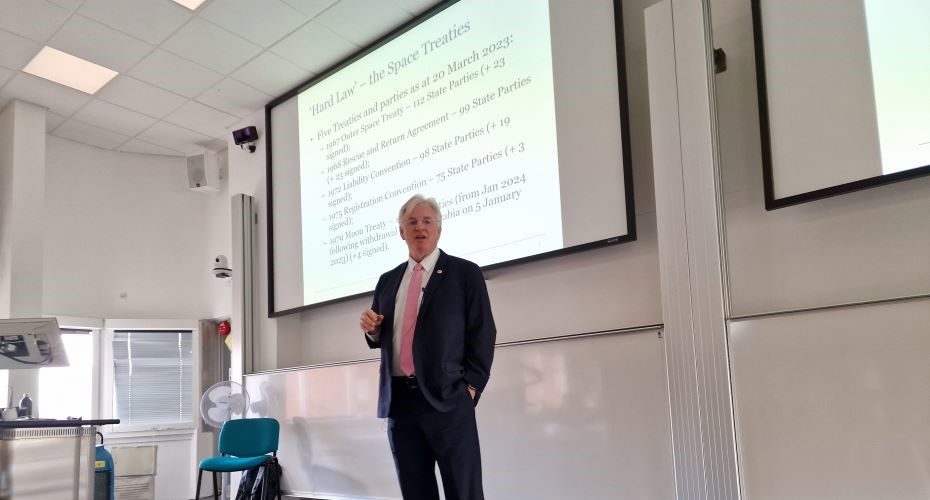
[512,115]
[899,45]
[460,108]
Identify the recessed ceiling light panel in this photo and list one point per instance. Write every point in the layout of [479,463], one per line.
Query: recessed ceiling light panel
[65,69]
[191,4]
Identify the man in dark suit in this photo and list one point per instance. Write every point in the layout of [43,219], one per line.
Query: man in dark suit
[431,318]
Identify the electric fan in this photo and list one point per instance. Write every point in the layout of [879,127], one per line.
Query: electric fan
[223,401]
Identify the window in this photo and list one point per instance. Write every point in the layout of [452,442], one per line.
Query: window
[68,391]
[153,376]
[4,387]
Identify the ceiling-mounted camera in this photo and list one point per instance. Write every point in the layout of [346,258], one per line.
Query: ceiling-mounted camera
[221,267]
[246,137]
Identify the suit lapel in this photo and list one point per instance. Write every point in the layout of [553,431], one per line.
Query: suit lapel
[435,280]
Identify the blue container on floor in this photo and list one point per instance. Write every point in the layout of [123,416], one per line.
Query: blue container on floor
[103,473]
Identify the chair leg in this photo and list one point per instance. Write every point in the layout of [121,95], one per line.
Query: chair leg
[265,482]
[199,478]
[216,494]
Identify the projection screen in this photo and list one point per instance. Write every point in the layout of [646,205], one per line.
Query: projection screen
[512,115]
[844,95]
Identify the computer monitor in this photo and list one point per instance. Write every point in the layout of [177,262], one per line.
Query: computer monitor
[31,343]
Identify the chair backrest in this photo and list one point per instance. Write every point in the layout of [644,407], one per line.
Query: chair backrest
[249,437]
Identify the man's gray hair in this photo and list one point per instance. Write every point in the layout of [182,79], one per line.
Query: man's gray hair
[415,200]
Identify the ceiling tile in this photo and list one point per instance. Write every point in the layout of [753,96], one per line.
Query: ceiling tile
[150,20]
[55,97]
[203,119]
[89,134]
[137,146]
[379,19]
[209,45]
[68,4]
[217,145]
[277,19]
[5,74]
[53,120]
[272,74]
[114,118]
[173,73]
[174,137]
[35,19]
[17,51]
[234,98]
[314,47]
[415,7]
[310,7]
[100,44]
[140,96]
[173,61]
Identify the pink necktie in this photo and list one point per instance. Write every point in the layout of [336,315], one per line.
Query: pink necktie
[410,320]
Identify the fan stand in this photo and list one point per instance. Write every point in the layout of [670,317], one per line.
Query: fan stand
[234,400]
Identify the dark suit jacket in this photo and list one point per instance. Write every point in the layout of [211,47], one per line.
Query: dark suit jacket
[453,343]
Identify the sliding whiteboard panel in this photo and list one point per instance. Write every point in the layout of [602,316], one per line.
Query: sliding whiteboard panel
[574,418]
[834,403]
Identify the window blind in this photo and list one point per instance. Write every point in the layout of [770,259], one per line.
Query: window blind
[152,372]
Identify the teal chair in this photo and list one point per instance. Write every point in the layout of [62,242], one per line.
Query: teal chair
[244,443]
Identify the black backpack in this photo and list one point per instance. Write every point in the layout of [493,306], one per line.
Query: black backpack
[263,478]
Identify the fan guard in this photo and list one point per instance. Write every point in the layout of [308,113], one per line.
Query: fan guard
[223,401]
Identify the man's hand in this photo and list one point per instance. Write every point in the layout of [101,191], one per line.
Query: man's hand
[370,321]
[471,392]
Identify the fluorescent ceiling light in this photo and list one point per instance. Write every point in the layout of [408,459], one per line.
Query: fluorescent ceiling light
[190,4]
[61,67]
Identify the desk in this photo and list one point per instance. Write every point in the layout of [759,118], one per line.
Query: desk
[48,459]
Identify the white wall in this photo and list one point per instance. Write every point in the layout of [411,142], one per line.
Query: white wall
[175,465]
[219,242]
[128,223]
[864,246]
[93,233]
[823,378]
[22,136]
[6,207]
[609,288]
[860,246]
[121,223]
[6,215]
[278,341]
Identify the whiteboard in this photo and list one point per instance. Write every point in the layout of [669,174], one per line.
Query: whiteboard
[572,418]
[834,403]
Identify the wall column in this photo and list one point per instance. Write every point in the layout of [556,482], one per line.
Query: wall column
[689,216]
[22,223]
